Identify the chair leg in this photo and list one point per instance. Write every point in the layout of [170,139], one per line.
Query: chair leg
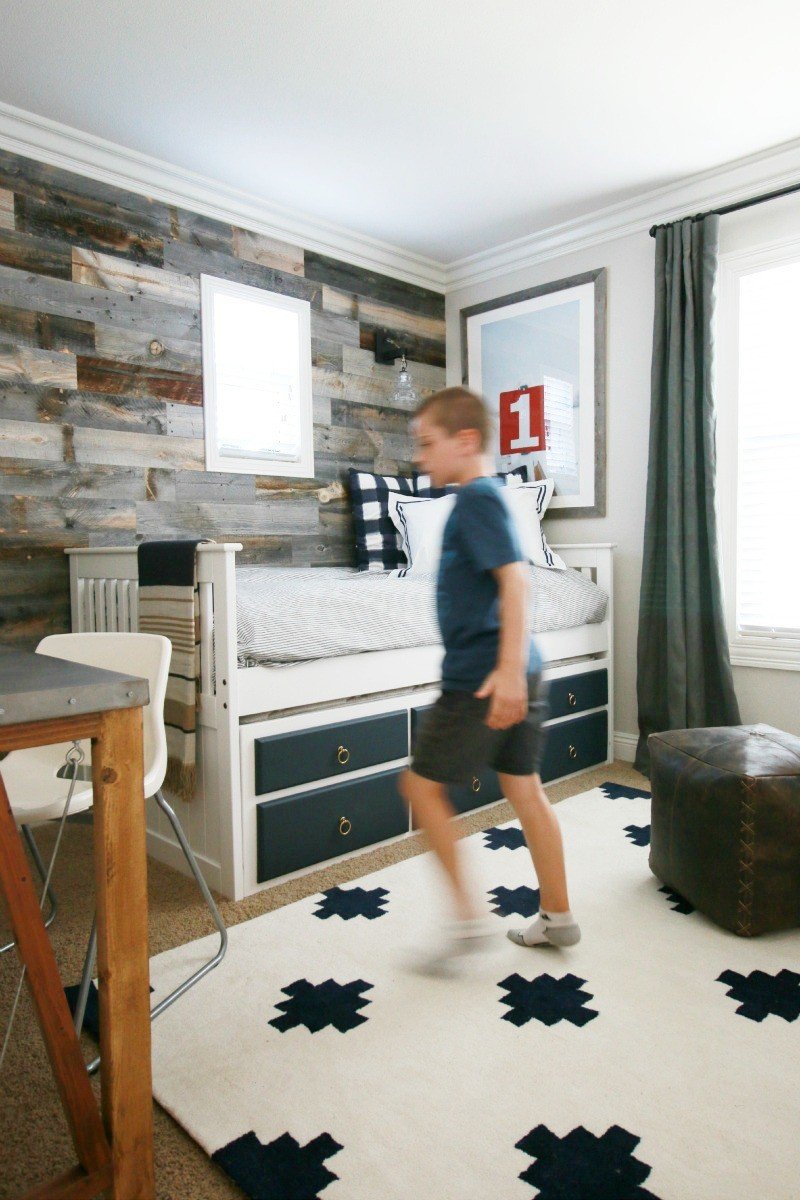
[40,867]
[209,899]
[217,958]
[86,979]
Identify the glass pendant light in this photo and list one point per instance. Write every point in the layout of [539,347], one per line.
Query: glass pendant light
[405,395]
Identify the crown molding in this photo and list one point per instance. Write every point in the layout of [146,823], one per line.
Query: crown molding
[70,149]
[734,181]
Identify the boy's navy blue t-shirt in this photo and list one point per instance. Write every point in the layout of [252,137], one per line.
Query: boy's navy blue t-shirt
[478,538]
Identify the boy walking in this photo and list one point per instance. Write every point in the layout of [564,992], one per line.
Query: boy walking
[492,702]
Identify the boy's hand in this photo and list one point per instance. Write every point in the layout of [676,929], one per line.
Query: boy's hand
[509,692]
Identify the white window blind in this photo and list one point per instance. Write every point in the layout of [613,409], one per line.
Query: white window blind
[768,489]
[257,380]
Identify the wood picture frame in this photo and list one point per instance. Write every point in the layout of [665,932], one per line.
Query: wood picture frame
[552,335]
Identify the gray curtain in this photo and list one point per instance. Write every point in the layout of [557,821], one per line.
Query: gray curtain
[684,674]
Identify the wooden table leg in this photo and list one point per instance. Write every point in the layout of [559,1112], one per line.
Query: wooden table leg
[122,954]
[50,1003]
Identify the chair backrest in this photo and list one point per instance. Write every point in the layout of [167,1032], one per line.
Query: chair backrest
[145,655]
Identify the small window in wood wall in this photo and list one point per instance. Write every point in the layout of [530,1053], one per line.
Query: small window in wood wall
[256,380]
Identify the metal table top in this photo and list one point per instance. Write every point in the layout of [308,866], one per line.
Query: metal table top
[37,687]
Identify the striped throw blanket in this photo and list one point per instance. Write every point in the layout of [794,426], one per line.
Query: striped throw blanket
[169,605]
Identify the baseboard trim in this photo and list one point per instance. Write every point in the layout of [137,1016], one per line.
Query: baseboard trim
[625,746]
[170,853]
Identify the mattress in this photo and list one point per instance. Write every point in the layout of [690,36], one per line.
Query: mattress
[296,614]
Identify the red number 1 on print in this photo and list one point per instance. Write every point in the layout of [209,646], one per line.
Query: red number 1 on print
[522,420]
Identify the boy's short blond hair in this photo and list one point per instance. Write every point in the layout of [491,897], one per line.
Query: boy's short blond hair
[457,408]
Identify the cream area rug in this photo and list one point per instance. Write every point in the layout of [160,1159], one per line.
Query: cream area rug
[659,1058]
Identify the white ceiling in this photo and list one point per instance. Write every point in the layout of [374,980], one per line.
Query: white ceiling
[442,128]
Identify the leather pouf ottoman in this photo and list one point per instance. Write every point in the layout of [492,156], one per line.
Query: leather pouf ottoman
[726,823]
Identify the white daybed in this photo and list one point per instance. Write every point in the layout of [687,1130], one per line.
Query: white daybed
[297,764]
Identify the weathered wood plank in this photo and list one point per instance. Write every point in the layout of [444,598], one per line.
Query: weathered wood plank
[21,364]
[45,331]
[92,410]
[189,260]
[23,477]
[42,294]
[132,379]
[58,522]
[214,487]
[344,443]
[426,378]
[268,252]
[6,209]
[185,420]
[326,354]
[370,416]
[382,316]
[277,551]
[332,328]
[135,279]
[424,350]
[198,230]
[323,551]
[348,278]
[44,256]
[134,449]
[141,348]
[41,181]
[81,221]
[223,521]
[27,439]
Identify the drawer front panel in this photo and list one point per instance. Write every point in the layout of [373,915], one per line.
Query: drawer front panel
[576,693]
[298,831]
[575,745]
[288,759]
[484,789]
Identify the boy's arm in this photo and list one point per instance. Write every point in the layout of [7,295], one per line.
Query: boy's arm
[508,685]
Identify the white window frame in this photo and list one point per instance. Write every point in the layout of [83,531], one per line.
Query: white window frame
[210,287]
[752,649]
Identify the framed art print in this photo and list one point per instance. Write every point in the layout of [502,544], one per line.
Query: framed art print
[538,359]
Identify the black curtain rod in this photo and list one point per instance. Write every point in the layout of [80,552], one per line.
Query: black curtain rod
[729,208]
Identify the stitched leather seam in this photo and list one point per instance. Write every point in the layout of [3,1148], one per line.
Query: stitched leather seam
[747,837]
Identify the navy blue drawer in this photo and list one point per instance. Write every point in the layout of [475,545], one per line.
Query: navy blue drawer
[576,693]
[288,759]
[298,831]
[575,745]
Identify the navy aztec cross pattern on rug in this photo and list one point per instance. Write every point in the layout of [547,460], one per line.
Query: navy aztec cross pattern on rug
[762,995]
[581,1166]
[504,839]
[348,903]
[621,791]
[678,902]
[639,834]
[546,999]
[318,1005]
[281,1169]
[521,901]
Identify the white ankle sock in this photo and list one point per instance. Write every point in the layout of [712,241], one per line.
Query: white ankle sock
[547,926]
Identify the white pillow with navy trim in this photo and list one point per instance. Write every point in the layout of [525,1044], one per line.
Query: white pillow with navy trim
[420,523]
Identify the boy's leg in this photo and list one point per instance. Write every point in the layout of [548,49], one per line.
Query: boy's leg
[555,924]
[543,835]
[433,812]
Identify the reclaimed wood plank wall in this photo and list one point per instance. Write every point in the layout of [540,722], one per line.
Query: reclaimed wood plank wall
[101,391]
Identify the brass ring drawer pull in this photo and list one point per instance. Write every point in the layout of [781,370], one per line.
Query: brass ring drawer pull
[572,698]
[573,753]
[344,826]
[343,755]
[476,783]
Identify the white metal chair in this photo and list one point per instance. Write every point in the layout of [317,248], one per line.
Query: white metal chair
[37,780]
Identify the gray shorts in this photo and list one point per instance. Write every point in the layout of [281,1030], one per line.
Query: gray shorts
[454,742]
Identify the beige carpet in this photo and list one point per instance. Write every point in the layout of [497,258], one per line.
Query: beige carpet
[33,1131]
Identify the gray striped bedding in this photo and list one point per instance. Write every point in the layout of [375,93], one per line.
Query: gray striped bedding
[293,614]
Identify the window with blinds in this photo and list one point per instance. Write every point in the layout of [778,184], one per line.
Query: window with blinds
[767,548]
[256,380]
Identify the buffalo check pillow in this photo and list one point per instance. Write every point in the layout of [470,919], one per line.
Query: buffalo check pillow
[378,544]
